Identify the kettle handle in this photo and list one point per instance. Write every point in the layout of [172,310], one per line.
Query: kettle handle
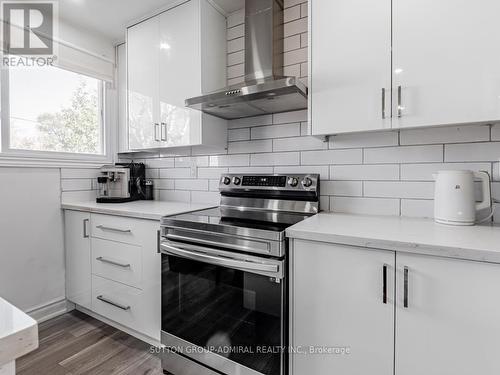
[486,188]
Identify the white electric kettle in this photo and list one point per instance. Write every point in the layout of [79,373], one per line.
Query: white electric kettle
[454,198]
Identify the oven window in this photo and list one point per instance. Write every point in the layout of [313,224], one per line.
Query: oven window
[233,313]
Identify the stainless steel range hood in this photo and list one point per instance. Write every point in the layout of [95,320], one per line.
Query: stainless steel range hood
[265,90]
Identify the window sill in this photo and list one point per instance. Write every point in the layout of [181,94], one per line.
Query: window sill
[7,160]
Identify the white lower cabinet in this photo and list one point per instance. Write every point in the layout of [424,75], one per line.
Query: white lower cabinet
[115,270]
[338,302]
[441,315]
[451,325]
[78,263]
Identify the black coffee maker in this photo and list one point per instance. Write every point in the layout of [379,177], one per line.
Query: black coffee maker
[121,182]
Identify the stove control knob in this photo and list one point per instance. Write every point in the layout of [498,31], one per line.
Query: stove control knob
[226,180]
[292,181]
[307,182]
[236,180]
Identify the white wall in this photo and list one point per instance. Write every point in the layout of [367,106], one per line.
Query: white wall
[31,237]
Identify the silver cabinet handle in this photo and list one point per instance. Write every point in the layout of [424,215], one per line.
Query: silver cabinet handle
[384,284]
[85,232]
[400,101]
[219,261]
[163,131]
[158,240]
[112,303]
[109,261]
[383,103]
[103,227]
[405,288]
[156,131]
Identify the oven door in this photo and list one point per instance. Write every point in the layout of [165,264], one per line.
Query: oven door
[225,310]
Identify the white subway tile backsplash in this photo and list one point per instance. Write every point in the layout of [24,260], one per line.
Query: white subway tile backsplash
[164,184]
[80,173]
[212,173]
[417,208]
[454,134]
[398,189]
[76,184]
[291,3]
[276,158]
[472,152]
[496,172]
[276,131]
[236,32]
[424,172]
[365,206]
[291,14]
[288,117]
[342,188]
[236,18]
[495,132]
[295,27]
[234,45]
[251,121]
[303,10]
[372,139]
[201,185]
[298,143]
[244,147]
[322,170]
[235,71]
[365,172]
[296,56]
[152,173]
[236,58]
[251,170]
[160,163]
[291,43]
[242,134]
[207,197]
[292,70]
[348,156]
[175,195]
[175,173]
[213,185]
[200,161]
[229,160]
[405,154]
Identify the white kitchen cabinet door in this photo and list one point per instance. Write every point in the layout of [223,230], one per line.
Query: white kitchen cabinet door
[78,263]
[121,88]
[180,74]
[143,46]
[350,65]
[451,324]
[337,301]
[447,61]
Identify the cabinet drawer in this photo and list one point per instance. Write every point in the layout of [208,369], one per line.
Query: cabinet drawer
[116,228]
[120,303]
[117,261]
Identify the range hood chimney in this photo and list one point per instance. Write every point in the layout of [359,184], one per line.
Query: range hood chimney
[265,89]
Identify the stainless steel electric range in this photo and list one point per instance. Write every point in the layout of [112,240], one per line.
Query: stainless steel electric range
[224,277]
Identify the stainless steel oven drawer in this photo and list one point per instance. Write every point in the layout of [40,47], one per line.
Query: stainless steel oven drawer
[179,365]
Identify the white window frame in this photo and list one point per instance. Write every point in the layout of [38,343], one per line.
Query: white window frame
[14,157]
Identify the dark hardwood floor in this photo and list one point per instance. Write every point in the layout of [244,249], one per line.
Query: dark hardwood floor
[76,344]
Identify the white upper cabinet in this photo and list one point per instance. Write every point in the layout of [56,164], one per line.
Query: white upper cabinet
[170,57]
[446,61]
[445,65]
[143,42]
[350,67]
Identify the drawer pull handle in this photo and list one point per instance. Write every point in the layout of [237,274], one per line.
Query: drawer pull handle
[85,232]
[405,288]
[104,260]
[103,227]
[384,284]
[112,303]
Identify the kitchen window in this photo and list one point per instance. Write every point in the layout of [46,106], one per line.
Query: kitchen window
[52,113]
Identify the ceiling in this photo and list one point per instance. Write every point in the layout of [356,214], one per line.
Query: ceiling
[109,18]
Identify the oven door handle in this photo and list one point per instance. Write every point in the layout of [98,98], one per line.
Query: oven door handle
[176,237]
[243,265]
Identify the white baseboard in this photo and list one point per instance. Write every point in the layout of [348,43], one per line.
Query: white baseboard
[51,310]
[131,332]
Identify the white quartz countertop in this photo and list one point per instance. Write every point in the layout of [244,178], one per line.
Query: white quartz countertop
[18,333]
[421,236]
[153,210]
